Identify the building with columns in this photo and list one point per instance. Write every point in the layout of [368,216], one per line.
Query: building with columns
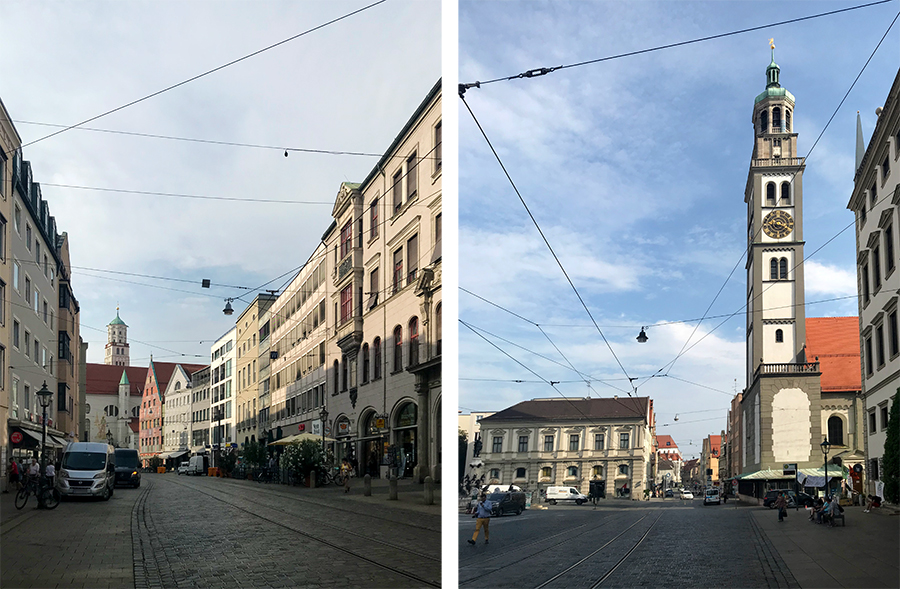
[570,442]
[116,351]
[875,202]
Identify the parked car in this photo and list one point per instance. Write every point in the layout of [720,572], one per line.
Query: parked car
[793,498]
[669,493]
[712,496]
[128,471]
[507,503]
[88,469]
[198,465]
[555,494]
[183,467]
[685,494]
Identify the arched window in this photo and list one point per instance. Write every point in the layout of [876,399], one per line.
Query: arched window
[770,193]
[437,329]
[398,349]
[835,431]
[365,363]
[776,119]
[376,358]
[413,341]
[597,472]
[785,193]
[787,120]
[764,121]
[779,336]
[111,411]
[177,386]
[520,473]
[782,267]
[773,269]
[345,382]
[337,379]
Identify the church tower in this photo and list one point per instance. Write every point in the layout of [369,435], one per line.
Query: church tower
[780,408]
[117,342]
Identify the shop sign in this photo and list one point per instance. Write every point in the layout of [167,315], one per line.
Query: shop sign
[302,427]
[379,423]
[16,438]
[343,427]
[789,470]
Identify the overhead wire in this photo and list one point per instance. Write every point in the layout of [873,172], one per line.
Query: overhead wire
[208,72]
[541,71]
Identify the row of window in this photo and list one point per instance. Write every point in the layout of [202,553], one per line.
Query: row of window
[311,400]
[574,442]
[31,295]
[571,472]
[771,196]
[877,362]
[32,344]
[873,422]
[876,240]
[777,125]
[885,168]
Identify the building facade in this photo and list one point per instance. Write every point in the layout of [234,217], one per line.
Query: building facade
[152,430]
[176,415]
[875,202]
[571,442]
[200,411]
[384,352]
[221,381]
[246,379]
[113,403]
[68,351]
[667,450]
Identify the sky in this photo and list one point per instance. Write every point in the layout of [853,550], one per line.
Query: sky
[635,170]
[350,86]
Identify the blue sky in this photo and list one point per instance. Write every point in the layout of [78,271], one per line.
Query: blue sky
[350,86]
[635,169]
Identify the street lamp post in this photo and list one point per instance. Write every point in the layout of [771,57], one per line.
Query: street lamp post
[825,448]
[45,398]
[323,415]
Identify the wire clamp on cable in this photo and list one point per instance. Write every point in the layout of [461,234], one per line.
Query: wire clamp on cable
[464,87]
[541,71]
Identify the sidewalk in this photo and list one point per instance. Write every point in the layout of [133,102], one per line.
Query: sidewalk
[861,554]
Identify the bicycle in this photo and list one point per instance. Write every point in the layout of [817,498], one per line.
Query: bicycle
[43,490]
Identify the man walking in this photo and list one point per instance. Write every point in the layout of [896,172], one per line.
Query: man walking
[483,514]
[781,506]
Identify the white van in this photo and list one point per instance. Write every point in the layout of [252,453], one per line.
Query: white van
[87,469]
[197,465]
[555,494]
[711,496]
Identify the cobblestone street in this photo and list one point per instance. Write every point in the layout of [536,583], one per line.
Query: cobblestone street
[675,544]
[201,532]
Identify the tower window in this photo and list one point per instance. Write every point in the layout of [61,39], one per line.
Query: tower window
[787,120]
[770,193]
[785,193]
[835,430]
[783,269]
[779,336]
[773,269]
[764,121]
[776,119]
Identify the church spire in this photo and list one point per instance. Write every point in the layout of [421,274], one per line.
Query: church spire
[773,70]
[860,146]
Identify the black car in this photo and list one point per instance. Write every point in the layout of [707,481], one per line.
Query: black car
[128,471]
[669,493]
[793,498]
[508,502]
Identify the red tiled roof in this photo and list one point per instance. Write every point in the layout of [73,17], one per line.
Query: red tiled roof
[665,441]
[165,370]
[835,341]
[103,379]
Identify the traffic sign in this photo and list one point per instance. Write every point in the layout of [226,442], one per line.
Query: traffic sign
[16,437]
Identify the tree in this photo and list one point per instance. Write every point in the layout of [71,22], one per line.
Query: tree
[463,448]
[303,457]
[253,454]
[227,462]
[891,460]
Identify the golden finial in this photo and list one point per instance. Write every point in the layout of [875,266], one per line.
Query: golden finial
[772,43]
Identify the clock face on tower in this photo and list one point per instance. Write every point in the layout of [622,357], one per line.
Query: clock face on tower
[777,224]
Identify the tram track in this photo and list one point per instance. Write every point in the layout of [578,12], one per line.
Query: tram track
[618,563]
[359,544]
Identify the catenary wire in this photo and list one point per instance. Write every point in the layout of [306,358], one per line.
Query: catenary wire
[546,70]
[206,73]
[558,261]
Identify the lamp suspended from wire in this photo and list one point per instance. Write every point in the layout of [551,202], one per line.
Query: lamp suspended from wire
[642,336]
[228,310]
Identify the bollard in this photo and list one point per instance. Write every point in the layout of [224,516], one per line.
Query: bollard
[312,479]
[429,491]
[392,496]
[367,485]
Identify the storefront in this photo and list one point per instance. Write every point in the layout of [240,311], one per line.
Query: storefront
[405,425]
[373,446]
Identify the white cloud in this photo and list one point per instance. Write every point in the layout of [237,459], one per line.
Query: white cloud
[828,280]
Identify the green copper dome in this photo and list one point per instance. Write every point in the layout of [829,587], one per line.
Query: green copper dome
[773,88]
[117,320]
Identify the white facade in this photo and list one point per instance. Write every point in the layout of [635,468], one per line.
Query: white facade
[875,202]
[221,382]
[177,414]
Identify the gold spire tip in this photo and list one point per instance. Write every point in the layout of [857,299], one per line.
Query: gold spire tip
[772,43]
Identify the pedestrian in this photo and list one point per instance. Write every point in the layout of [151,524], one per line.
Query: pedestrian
[345,474]
[781,506]
[50,473]
[34,470]
[483,514]
[13,476]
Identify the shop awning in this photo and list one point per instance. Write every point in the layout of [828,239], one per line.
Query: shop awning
[765,475]
[164,455]
[34,437]
[59,441]
[178,454]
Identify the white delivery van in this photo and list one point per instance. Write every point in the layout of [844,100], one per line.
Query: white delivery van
[555,494]
[88,469]
[197,465]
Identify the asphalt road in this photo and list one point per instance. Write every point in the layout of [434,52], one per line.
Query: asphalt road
[670,543]
[178,531]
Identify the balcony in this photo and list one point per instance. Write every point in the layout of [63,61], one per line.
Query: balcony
[349,333]
[777,162]
[351,261]
[810,368]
